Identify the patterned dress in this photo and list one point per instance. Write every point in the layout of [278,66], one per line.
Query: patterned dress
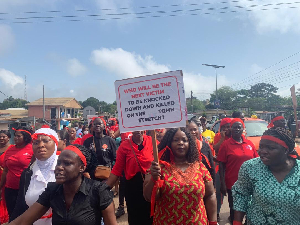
[181,200]
[266,201]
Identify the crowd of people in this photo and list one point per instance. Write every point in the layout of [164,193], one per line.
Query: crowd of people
[67,176]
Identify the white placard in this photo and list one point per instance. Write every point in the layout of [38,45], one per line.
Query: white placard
[151,102]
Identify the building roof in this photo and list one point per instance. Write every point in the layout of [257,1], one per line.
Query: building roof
[66,102]
[13,114]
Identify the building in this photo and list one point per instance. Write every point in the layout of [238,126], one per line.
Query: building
[12,116]
[89,110]
[55,109]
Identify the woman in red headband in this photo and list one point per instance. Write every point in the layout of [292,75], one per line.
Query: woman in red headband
[268,187]
[73,198]
[232,154]
[224,134]
[180,188]
[278,121]
[35,178]
[16,159]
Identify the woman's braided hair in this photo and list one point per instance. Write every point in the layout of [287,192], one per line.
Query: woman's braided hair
[284,135]
[192,154]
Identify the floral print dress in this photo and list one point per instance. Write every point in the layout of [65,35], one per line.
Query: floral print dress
[266,201]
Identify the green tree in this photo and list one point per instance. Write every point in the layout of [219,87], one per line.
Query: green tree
[91,101]
[197,105]
[13,103]
[262,90]
[226,97]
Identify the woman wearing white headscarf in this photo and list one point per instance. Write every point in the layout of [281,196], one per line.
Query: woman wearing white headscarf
[35,178]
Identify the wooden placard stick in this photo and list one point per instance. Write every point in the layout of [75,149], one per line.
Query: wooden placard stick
[154,144]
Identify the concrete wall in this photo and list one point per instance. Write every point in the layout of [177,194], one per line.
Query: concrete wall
[3,126]
[37,111]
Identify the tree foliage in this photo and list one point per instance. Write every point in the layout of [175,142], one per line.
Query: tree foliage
[197,105]
[13,103]
[100,106]
[259,97]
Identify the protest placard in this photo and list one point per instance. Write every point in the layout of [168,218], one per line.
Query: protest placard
[151,102]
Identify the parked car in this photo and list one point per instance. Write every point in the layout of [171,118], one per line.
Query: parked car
[254,129]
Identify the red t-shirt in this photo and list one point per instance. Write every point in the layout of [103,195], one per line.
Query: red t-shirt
[85,137]
[233,155]
[16,160]
[218,138]
[126,160]
[77,141]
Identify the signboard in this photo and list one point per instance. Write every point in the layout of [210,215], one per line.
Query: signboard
[151,102]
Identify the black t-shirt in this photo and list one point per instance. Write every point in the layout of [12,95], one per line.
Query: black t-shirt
[92,197]
[105,149]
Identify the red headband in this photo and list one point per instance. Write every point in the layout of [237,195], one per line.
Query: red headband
[225,121]
[77,151]
[26,131]
[35,136]
[237,120]
[271,124]
[276,140]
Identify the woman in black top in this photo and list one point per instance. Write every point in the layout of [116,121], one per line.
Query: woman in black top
[74,199]
[103,147]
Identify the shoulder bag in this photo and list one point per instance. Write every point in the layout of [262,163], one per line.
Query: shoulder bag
[101,172]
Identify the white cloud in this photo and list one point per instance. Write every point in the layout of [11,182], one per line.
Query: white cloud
[7,38]
[202,86]
[75,68]
[71,91]
[283,19]
[126,64]
[9,78]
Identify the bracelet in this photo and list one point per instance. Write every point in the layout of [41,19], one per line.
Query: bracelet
[213,223]
[237,223]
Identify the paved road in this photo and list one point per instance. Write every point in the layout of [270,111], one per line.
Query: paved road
[224,213]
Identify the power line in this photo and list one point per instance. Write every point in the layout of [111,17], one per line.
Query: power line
[247,79]
[137,15]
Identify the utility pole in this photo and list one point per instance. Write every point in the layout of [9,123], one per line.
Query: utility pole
[192,102]
[217,104]
[43,103]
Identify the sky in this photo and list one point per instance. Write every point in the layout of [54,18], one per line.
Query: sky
[79,48]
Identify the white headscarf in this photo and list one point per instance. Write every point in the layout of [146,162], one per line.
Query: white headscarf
[46,165]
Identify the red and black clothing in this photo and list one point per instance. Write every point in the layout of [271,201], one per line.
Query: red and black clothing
[105,149]
[138,208]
